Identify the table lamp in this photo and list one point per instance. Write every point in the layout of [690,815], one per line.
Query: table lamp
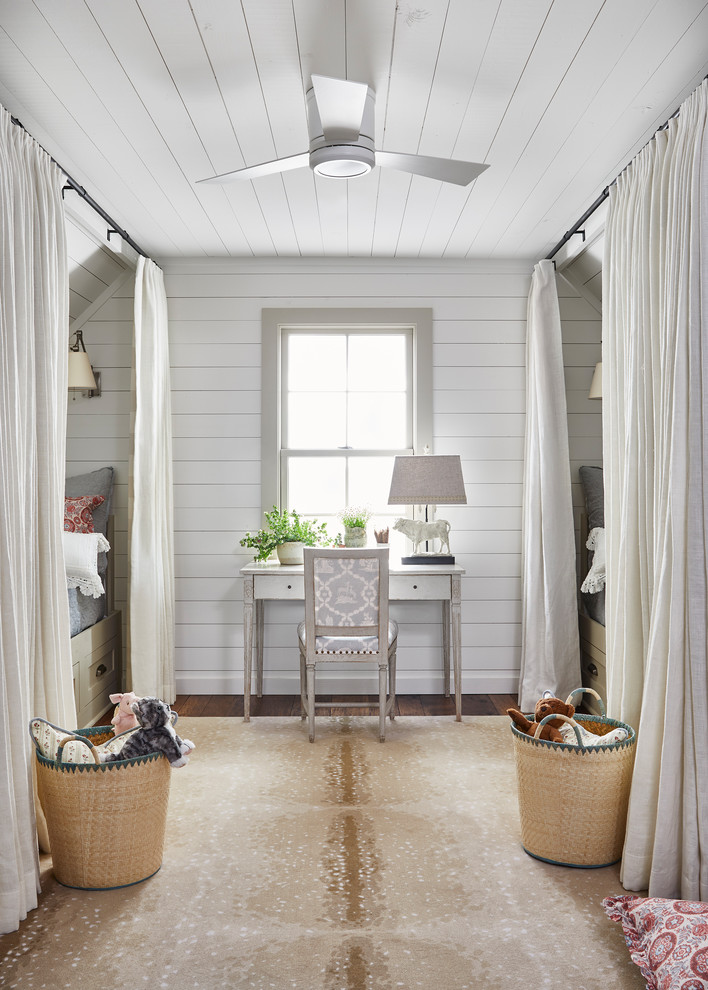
[428,480]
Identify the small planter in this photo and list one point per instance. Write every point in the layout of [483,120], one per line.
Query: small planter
[290,552]
[354,536]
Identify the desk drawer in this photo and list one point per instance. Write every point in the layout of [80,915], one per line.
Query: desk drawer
[423,587]
[279,586]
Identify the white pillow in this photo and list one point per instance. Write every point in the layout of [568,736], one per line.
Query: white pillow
[595,578]
[591,738]
[80,559]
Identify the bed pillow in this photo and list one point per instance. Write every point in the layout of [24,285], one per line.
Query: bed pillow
[667,939]
[591,479]
[78,513]
[98,482]
[597,574]
[81,562]
[593,487]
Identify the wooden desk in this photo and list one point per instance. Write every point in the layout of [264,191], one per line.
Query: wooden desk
[275,582]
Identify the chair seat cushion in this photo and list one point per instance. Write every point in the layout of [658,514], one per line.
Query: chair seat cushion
[350,644]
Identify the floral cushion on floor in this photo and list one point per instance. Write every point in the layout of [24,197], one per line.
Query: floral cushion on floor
[667,939]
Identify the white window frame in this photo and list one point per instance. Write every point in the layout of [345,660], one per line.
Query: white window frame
[275,321]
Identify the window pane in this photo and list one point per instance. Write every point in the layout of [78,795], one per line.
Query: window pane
[370,482]
[316,421]
[377,363]
[378,420]
[314,360]
[316,485]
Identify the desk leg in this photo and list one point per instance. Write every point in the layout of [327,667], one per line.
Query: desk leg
[260,608]
[455,608]
[247,644]
[446,646]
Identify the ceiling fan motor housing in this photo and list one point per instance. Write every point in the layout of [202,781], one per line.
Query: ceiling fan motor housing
[343,152]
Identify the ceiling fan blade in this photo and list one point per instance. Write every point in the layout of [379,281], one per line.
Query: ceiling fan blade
[340,105]
[445,169]
[256,171]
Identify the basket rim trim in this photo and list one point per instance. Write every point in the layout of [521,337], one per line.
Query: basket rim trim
[81,767]
[604,719]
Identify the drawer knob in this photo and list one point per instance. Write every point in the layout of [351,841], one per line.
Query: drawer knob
[101,670]
[415,587]
[289,587]
[592,669]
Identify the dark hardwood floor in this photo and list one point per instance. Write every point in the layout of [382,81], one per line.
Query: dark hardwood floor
[231,705]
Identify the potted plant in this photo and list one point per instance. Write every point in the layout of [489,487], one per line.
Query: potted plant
[354,519]
[286,533]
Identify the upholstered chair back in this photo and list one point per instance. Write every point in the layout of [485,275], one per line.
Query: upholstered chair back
[346,593]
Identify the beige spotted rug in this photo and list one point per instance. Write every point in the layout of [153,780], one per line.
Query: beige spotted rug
[343,865]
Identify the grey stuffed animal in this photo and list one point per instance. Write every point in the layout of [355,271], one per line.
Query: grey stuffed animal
[155,735]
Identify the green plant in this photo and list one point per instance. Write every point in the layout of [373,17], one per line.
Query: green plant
[355,516]
[285,526]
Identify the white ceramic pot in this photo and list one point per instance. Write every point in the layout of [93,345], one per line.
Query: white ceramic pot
[354,536]
[290,553]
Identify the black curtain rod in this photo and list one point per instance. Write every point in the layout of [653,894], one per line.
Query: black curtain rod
[606,191]
[578,224]
[113,227]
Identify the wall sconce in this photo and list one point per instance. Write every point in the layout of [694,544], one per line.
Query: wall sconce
[596,383]
[82,377]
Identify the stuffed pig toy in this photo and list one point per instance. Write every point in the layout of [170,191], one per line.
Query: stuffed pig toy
[123,716]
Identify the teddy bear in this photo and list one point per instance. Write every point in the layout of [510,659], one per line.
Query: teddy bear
[547,705]
[123,716]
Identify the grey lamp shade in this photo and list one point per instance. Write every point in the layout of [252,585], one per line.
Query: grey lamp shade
[80,371]
[427,479]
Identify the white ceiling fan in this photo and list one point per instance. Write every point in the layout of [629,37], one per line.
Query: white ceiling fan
[340,116]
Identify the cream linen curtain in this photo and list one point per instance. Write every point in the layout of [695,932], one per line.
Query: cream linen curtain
[655,444]
[35,651]
[550,654]
[151,607]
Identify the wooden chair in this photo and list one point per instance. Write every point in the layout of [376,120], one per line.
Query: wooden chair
[346,621]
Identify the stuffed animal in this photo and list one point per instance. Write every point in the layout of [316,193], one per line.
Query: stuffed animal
[547,705]
[123,716]
[155,735]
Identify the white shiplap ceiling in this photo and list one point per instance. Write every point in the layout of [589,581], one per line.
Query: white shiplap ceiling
[138,99]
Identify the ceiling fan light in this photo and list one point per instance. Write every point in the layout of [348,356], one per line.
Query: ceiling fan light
[342,161]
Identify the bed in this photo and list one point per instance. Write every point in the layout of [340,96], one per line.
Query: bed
[96,644]
[591,616]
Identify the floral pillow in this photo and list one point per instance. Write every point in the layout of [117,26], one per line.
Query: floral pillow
[78,513]
[667,939]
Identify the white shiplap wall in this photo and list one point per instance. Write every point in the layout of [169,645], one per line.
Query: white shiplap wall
[581,278]
[479,312]
[98,429]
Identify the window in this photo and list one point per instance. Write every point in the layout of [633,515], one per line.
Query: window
[344,391]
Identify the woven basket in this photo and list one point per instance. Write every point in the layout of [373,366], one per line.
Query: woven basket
[573,799]
[106,821]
